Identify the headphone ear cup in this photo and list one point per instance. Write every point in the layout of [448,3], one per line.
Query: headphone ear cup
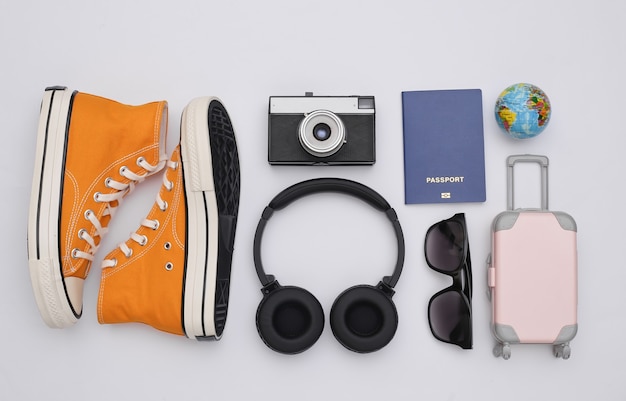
[364,318]
[289,320]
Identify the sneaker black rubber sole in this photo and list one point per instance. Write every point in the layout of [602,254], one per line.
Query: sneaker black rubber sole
[212,186]
[226,178]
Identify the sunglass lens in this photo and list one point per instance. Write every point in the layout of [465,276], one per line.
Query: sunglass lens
[444,245]
[450,319]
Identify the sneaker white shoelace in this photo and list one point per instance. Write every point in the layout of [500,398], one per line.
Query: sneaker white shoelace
[121,190]
[142,240]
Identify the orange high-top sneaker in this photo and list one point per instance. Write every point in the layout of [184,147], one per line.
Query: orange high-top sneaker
[90,153]
[173,273]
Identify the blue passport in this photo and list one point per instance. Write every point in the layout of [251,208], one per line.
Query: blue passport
[444,150]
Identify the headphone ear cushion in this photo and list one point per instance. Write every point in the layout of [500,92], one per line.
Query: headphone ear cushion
[363,318]
[289,320]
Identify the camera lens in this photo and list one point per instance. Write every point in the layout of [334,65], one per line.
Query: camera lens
[321,132]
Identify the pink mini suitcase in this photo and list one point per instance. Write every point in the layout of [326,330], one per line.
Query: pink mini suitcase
[532,272]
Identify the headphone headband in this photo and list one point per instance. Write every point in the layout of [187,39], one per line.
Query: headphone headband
[317,185]
[304,188]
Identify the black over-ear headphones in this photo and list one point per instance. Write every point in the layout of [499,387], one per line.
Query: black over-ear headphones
[363,318]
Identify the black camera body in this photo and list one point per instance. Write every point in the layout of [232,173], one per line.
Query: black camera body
[321,130]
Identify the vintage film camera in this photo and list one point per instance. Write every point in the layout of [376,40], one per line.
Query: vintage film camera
[321,130]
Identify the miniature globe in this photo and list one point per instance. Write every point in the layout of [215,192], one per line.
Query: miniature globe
[523,110]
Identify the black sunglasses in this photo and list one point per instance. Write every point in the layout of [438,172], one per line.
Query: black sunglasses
[447,251]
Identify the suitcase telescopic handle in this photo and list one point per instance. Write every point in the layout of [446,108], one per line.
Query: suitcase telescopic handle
[543,163]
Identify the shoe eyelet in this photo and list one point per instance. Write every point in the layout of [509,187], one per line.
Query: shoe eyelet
[167,246]
[96,196]
[169,266]
[169,187]
[144,241]
[107,182]
[81,233]
[164,208]
[123,170]
[141,160]
[88,213]
[75,253]
[114,260]
[129,254]
[156,224]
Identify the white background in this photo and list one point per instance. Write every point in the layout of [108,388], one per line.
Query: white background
[244,52]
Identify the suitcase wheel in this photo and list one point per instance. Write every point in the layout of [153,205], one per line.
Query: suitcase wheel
[502,350]
[562,351]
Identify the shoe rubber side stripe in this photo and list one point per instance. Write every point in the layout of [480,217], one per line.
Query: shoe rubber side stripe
[67,134]
[206,260]
[182,292]
[43,164]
